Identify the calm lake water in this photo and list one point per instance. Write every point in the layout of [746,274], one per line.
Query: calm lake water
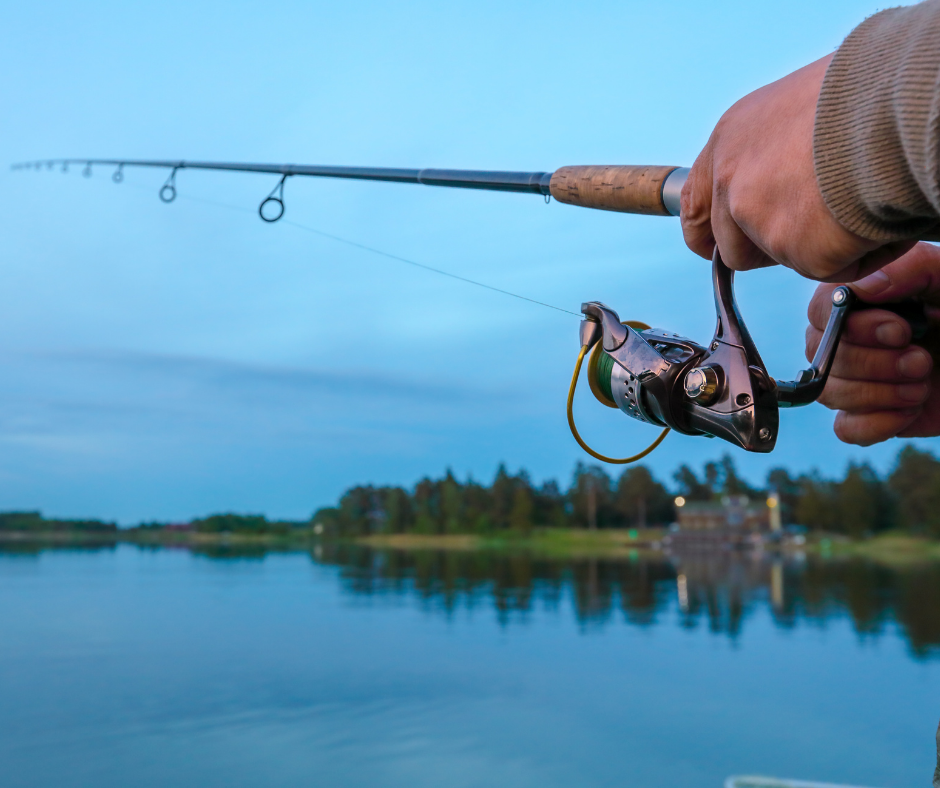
[348,667]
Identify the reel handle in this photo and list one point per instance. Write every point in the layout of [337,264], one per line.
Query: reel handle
[809,383]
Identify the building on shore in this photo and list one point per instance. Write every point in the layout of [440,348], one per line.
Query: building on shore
[731,521]
[731,512]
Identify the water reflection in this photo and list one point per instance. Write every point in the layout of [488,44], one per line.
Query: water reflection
[718,591]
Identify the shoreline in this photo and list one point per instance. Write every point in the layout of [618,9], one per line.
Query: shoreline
[887,548]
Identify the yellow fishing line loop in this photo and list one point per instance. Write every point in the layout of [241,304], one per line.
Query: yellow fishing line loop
[577,436]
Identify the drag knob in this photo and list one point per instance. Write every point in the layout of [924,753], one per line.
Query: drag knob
[701,385]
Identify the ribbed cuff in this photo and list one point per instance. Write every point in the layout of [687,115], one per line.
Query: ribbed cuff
[877,128]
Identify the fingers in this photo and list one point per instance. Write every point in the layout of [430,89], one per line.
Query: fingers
[738,251]
[857,362]
[877,328]
[883,386]
[695,205]
[869,379]
[869,396]
[708,219]
[865,429]
[871,327]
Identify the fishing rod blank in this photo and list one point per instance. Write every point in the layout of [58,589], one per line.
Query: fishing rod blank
[642,189]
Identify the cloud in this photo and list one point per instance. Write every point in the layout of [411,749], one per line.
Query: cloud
[101,400]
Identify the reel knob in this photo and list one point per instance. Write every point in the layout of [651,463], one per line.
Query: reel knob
[701,385]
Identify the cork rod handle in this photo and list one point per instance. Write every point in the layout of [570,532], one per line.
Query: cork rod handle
[626,188]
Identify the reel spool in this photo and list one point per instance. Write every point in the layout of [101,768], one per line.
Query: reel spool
[599,377]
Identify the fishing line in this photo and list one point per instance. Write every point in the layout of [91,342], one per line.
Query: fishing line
[429,268]
[577,370]
[373,250]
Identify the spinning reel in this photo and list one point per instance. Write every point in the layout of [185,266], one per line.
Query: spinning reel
[721,390]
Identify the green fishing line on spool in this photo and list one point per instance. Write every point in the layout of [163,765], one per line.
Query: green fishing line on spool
[605,369]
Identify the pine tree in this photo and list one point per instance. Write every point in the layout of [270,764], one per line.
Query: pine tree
[641,500]
[915,481]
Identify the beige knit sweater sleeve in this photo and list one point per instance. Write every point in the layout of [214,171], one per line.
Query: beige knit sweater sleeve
[877,136]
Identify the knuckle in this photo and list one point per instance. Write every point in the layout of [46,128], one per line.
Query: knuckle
[690,203]
[722,177]
[721,127]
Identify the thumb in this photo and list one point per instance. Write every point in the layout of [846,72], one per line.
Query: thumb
[914,274]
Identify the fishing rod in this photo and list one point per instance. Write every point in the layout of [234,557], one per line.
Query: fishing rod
[628,189]
[718,390]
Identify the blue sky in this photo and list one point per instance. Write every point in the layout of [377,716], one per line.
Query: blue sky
[163,361]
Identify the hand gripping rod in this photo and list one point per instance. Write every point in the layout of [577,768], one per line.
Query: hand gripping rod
[652,190]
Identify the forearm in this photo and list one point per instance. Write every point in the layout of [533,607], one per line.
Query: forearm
[877,130]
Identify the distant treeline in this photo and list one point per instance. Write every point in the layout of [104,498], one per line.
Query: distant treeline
[34,522]
[858,504]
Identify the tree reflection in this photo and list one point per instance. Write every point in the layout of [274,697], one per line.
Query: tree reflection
[719,591]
